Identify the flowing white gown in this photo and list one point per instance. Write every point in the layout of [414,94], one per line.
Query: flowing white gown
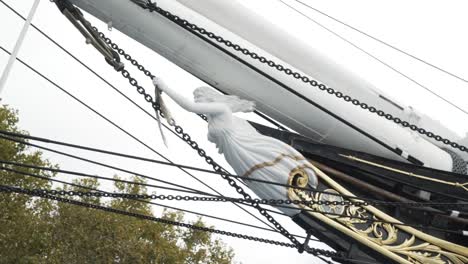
[248,152]
[257,156]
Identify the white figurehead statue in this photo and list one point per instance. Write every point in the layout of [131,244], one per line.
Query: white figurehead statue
[249,153]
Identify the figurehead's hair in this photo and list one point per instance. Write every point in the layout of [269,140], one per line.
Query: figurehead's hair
[235,103]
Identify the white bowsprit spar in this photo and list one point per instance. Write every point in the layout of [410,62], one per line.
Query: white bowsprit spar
[313,113]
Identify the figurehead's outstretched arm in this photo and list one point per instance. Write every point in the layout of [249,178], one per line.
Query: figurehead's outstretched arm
[189,105]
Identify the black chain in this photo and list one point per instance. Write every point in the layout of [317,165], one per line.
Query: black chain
[140,67]
[50,195]
[141,197]
[152,7]
[216,167]
[186,137]
[237,200]
[224,174]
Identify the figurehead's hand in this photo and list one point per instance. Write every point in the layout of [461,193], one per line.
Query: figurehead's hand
[158,82]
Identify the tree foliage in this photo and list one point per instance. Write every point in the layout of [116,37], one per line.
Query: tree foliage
[36,230]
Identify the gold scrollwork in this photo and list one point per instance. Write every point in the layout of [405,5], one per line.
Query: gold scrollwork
[426,253]
[335,209]
[379,235]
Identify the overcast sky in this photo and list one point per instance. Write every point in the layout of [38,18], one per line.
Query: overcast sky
[432,30]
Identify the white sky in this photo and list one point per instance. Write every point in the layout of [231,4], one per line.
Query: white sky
[432,30]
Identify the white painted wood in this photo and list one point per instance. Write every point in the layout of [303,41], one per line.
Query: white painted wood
[235,17]
[227,74]
[17,47]
[246,150]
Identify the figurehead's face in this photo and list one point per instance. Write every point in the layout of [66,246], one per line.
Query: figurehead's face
[208,95]
[203,95]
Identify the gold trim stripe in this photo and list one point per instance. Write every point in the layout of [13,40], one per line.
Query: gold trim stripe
[272,163]
[456,184]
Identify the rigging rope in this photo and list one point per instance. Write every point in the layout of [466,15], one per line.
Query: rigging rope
[464,185]
[141,90]
[205,230]
[178,129]
[133,82]
[134,173]
[118,91]
[369,200]
[382,42]
[148,202]
[159,162]
[276,204]
[262,201]
[268,119]
[162,197]
[186,137]
[123,130]
[113,87]
[102,164]
[374,57]
[80,174]
[314,251]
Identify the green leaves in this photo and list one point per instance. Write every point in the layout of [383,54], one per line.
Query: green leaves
[36,230]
